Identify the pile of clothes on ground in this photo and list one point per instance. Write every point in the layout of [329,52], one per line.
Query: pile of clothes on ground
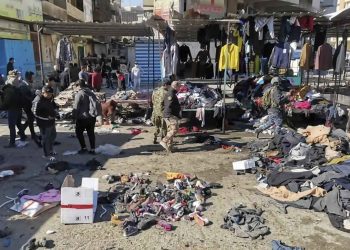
[246,222]
[192,97]
[183,197]
[129,95]
[65,99]
[307,169]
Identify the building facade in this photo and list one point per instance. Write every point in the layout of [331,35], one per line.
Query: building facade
[343,4]
[15,33]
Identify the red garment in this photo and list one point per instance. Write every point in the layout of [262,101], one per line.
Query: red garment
[302,105]
[136,131]
[121,77]
[183,89]
[307,22]
[96,80]
[183,131]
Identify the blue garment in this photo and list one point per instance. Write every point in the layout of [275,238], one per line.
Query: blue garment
[264,66]
[274,120]
[280,57]
[278,245]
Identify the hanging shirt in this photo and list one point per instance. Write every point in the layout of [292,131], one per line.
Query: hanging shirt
[166,63]
[232,60]
[260,23]
[135,72]
[184,53]
[323,60]
[306,57]
[307,22]
[174,54]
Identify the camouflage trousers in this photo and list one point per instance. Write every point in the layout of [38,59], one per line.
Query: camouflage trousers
[172,124]
[160,125]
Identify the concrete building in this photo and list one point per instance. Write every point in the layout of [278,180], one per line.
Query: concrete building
[343,4]
[102,10]
[132,14]
[329,6]
[15,39]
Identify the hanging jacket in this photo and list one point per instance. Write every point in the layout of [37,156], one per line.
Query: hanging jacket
[306,57]
[166,63]
[230,51]
[174,54]
[323,60]
[307,22]
[340,65]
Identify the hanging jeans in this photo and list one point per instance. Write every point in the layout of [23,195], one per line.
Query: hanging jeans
[14,119]
[264,70]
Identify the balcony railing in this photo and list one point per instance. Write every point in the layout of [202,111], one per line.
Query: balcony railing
[54,11]
[74,12]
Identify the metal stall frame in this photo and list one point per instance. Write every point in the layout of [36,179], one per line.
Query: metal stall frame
[92,29]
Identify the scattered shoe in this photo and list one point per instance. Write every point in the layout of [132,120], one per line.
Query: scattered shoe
[165,146]
[129,231]
[200,220]
[82,151]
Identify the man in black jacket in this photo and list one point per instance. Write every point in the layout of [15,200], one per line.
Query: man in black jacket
[86,108]
[11,101]
[10,65]
[172,110]
[44,109]
[28,95]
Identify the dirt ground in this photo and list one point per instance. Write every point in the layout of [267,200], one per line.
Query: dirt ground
[299,227]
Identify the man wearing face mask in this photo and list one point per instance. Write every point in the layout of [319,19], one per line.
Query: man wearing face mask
[11,102]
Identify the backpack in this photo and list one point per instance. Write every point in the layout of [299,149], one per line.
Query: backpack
[95,108]
[267,98]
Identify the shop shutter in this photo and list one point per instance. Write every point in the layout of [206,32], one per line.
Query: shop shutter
[151,72]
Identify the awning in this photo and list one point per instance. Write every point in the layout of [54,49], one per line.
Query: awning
[98,29]
[340,16]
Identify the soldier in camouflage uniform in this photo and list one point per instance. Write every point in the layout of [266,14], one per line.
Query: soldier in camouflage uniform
[158,110]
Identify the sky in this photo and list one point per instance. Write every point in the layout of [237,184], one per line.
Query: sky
[131,2]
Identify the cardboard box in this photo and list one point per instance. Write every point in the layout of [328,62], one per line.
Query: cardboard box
[79,204]
[243,165]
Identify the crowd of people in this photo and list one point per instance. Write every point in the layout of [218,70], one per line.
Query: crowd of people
[18,95]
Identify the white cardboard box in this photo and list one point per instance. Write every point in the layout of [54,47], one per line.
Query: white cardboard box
[243,165]
[78,205]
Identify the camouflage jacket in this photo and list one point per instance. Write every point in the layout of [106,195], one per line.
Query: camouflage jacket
[158,102]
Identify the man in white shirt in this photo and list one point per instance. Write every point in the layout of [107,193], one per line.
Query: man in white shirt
[136,76]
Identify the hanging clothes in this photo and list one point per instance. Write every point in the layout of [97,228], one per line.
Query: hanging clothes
[260,23]
[323,60]
[202,59]
[166,63]
[320,36]
[280,56]
[340,64]
[295,34]
[307,22]
[174,58]
[64,51]
[306,61]
[284,29]
[237,38]
[184,53]
[230,51]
